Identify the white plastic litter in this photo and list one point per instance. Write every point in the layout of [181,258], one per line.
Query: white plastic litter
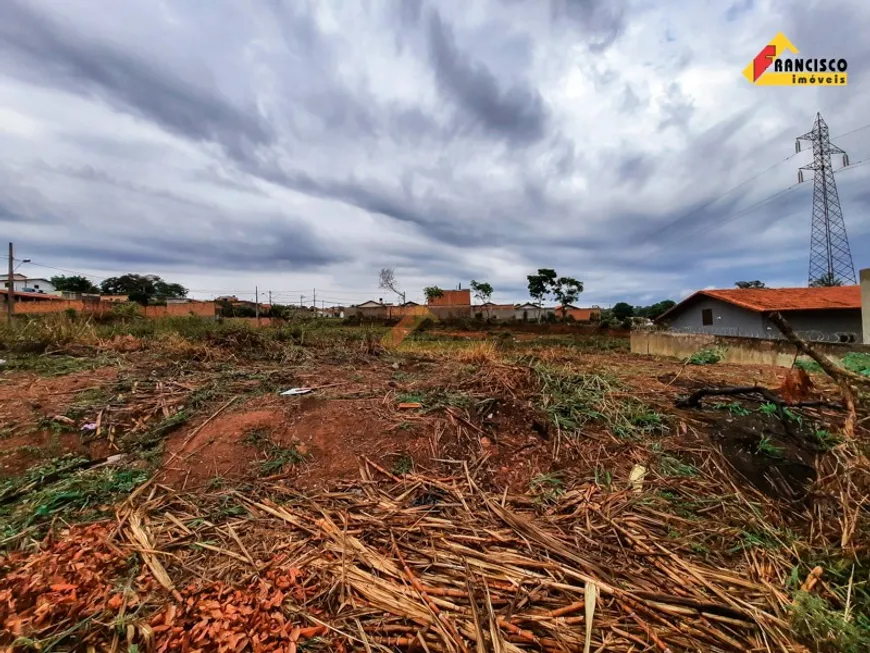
[296,391]
[635,478]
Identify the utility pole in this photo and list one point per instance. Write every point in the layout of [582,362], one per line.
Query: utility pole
[315,302]
[10,287]
[301,297]
[257,304]
[830,256]
[270,300]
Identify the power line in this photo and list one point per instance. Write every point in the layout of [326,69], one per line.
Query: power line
[867,126]
[717,198]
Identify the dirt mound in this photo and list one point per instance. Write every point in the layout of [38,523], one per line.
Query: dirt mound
[318,439]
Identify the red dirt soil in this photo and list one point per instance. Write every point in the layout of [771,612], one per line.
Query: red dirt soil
[30,397]
[331,433]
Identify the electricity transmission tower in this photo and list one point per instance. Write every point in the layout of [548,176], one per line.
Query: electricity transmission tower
[830,256]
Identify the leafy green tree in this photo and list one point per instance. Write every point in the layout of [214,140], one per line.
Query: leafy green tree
[659,309]
[622,310]
[432,292]
[654,310]
[540,284]
[482,291]
[74,283]
[142,289]
[744,285]
[827,280]
[566,290]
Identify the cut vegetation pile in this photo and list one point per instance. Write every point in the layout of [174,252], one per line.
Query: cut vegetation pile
[157,493]
[424,563]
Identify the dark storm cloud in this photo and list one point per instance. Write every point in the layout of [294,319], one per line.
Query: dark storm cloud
[36,49]
[602,20]
[517,113]
[280,244]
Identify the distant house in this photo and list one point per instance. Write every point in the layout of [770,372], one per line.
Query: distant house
[832,314]
[23,283]
[114,299]
[29,297]
[371,309]
[578,314]
[532,312]
[492,311]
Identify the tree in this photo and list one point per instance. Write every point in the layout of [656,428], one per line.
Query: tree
[827,280]
[142,289]
[659,309]
[743,285]
[432,292]
[387,281]
[566,290]
[622,310]
[74,283]
[541,284]
[482,291]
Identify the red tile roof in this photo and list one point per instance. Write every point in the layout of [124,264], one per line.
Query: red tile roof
[33,295]
[784,299]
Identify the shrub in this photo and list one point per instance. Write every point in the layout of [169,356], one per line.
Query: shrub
[705,357]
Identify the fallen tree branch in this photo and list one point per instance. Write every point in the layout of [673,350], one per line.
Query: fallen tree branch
[831,369]
[841,376]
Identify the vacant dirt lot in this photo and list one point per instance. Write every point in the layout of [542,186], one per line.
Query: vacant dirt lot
[217,514]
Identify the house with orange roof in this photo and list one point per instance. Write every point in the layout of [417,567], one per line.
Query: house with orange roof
[830,314]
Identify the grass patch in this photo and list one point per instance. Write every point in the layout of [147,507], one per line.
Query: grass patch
[853,361]
[705,357]
[826,630]
[825,439]
[767,448]
[53,365]
[673,466]
[547,488]
[403,465]
[732,407]
[61,487]
[279,458]
[574,400]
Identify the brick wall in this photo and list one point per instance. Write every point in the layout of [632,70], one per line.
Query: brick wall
[452,298]
[201,309]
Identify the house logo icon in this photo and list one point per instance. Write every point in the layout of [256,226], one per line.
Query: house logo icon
[771,68]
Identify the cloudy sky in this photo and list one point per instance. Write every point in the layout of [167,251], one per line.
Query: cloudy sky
[295,145]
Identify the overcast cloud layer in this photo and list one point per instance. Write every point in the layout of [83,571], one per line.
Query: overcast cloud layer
[294,145]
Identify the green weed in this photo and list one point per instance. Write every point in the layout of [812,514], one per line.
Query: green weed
[672,466]
[826,630]
[403,465]
[280,457]
[603,478]
[256,437]
[766,447]
[732,407]
[825,439]
[547,487]
[78,495]
[574,400]
[705,357]
[768,408]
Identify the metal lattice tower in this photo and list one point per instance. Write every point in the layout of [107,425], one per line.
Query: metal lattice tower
[830,256]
